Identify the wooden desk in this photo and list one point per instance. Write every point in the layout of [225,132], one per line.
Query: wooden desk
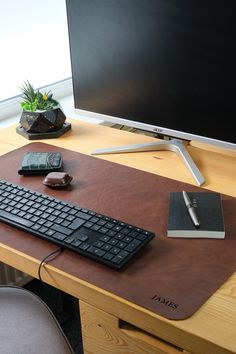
[111,324]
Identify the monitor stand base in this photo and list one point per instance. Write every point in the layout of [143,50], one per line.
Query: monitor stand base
[174,145]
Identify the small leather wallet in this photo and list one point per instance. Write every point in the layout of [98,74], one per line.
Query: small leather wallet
[40,163]
[57,179]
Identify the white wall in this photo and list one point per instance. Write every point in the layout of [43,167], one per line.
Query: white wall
[34,44]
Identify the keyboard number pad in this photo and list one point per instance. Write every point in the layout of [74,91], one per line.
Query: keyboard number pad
[118,242]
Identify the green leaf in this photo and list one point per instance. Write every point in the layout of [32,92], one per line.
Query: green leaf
[33,100]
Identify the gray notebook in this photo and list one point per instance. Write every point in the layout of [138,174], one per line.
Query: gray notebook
[208,208]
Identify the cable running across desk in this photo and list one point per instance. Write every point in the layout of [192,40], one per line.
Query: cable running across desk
[96,236]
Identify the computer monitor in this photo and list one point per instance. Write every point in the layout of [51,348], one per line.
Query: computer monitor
[165,66]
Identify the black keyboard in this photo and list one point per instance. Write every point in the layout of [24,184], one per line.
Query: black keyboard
[99,237]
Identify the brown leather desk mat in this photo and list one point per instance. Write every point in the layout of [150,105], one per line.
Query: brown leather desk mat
[171,277]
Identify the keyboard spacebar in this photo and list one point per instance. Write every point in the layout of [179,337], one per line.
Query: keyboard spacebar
[15,219]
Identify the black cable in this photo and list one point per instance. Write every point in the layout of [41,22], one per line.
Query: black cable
[44,260]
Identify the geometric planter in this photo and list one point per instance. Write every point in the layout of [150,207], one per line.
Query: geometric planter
[43,124]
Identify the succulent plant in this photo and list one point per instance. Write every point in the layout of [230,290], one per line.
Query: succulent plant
[34,100]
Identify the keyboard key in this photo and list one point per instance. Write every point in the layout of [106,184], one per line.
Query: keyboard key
[84,246]
[134,244]
[62,229]
[76,243]
[120,257]
[96,251]
[82,237]
[59,236]
[76,224]
[82,215]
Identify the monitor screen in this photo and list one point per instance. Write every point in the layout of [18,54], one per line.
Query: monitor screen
[166,66]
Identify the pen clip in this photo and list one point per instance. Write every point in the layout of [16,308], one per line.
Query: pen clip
[191,210]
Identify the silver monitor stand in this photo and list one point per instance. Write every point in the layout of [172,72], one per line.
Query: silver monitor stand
[174,145]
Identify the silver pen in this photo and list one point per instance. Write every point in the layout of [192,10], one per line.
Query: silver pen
[191,210]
